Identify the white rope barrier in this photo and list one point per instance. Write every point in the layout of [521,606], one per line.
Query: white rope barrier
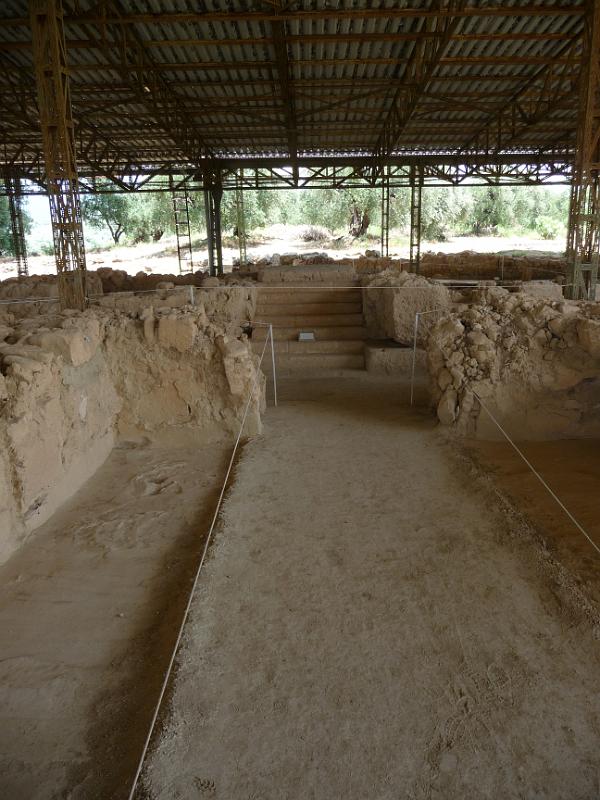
[281,287]
[537,475]
[269,336]
[186,613]
[418,316]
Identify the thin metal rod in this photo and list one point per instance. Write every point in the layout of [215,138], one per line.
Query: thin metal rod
[194,585]
[273,363]
[414,359]
[537,474]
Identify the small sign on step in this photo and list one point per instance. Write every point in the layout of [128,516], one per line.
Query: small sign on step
[306,336]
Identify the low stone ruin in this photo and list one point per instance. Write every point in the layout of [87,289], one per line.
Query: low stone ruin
[535,361]
[391,301]
[71,383]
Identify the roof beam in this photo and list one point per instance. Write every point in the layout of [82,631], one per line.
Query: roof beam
[426,57]
[286,90]
[169,18]
[549,89]
[146,79]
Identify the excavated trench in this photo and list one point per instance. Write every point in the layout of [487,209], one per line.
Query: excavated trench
[340,643]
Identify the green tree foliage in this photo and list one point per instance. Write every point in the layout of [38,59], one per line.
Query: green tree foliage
[479,210]
[111,211]
[6,239]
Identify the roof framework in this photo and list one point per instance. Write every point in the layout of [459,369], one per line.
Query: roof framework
[303,92]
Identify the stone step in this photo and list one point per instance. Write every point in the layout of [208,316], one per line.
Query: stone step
[322,361]
[265,308]
[277,296]
[320,332]
[307,322]
[343,347]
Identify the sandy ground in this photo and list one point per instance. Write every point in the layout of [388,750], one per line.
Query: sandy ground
[161,257]
[88,614]
[571,468]
[372,624]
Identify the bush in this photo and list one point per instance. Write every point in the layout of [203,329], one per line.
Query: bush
[314,233]
[548,228]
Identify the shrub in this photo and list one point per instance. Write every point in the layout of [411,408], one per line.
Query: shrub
[548,228]
[314,233]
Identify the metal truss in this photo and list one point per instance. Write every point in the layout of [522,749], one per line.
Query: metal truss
[340,173]
[241,219]
[583,238]
[385,217]
[213,193]
[59,149]
[417,74]
[15,204]
[180,200]
[416,205]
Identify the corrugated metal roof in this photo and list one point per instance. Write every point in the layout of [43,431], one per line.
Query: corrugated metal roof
[347,72]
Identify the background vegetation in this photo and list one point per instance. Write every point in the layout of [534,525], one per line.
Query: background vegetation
[481,210]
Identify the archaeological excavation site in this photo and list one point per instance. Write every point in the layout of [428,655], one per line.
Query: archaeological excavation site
[311,518]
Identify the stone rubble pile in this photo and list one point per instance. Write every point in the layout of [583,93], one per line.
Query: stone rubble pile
[535,360]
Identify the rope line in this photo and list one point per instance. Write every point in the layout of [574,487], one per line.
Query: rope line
[269,287]
[538,476]
[195,583]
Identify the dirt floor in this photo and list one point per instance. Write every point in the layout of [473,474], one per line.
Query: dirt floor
[89,610]
[572,470]
[161,257]
[372,623]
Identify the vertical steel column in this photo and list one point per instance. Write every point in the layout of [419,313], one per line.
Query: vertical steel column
[416,197]
[583,237]
[241,220]
[213,193]
[56,121]
[385,214]
[181,215]
[15,204]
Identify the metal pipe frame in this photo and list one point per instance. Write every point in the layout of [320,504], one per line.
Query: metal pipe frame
[241,220]
[416,199]
[59,149]
[583,238]
[181,217]
[15,205]
[213,193]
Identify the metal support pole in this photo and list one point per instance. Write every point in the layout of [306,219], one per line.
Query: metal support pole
[385,215]
[416,197]
[273,363]
[15,205]
[56,122]
[217,195]
[583,237]
[181,216]
[414,359]
[213,193]
[241,221]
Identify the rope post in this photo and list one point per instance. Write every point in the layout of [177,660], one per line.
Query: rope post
[192,296]
[186,613]
[273,363]
[414,359]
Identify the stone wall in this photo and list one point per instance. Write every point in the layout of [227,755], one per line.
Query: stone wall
[70,383]
[391,301]
[535,361]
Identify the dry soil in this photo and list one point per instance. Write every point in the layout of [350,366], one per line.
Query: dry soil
[372,624]
[89,609]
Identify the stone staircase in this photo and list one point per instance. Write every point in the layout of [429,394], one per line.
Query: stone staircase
[334,316]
